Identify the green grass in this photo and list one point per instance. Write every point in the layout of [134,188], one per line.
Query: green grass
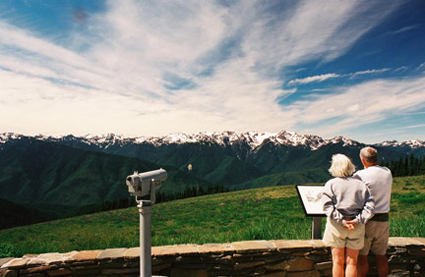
[257,214]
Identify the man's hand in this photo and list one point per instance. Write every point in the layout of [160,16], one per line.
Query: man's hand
[350,225]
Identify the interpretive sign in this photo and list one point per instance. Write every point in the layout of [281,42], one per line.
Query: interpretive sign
[311,199]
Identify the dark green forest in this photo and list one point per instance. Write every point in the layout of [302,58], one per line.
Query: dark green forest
[407,166]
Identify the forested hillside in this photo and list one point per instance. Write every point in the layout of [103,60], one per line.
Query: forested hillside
[60,177]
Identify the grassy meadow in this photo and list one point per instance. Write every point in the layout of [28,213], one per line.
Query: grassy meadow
[257,214]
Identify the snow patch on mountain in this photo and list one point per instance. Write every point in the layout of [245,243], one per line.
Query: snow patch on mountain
[8,136]
[346,141]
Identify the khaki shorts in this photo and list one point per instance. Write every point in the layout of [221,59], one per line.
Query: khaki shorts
[376,238]
[338,236]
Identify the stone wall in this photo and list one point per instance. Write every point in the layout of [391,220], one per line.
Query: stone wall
[247,258]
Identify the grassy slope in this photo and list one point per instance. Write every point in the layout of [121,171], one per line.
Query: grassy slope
[266,213]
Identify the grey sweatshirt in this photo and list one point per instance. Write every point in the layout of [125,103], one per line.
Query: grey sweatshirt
[347,199]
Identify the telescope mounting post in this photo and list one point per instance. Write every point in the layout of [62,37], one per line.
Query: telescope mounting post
[145,212]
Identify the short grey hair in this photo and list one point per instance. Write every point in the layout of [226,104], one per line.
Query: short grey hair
[369,154]
[341,166]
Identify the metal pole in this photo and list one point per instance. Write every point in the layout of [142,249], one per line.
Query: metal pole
[145,211]
[316,227]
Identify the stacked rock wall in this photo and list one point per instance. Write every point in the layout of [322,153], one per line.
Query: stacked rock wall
[249,258]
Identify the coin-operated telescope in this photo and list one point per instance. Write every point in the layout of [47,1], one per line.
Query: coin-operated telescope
[140,185]
[145,183]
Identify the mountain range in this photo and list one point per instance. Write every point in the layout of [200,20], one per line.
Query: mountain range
[55,174]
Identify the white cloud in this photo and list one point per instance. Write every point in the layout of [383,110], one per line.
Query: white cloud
[401,68]
[34,102]
[415,126]
[323,77]
[370,71]
[161,32]
[422,65]
[354,108]
[318,78]
[415,113]
[27,45]
[405,29]
[369,102]
[311,31]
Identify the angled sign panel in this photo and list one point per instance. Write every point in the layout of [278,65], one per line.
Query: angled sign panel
[311,199]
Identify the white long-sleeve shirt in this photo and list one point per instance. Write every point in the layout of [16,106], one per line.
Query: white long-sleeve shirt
[379,180]
[347,199]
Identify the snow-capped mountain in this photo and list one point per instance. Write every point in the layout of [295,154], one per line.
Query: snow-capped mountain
[415,143]
[227,138]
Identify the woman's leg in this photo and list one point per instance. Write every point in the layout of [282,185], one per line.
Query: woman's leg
[338,261]
[351,262]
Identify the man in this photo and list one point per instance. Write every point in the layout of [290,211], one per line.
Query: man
[379,181]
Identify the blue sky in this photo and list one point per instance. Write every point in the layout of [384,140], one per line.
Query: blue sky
[153,68]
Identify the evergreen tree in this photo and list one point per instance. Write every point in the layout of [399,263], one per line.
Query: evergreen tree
[407,166]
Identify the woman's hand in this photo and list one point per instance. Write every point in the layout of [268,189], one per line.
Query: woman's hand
[350,225]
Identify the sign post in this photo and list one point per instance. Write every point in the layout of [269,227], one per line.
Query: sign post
[316,228]
[311,200]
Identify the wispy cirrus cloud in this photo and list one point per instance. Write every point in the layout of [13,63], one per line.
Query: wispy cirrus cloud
[421,66]
[406,29]
[309,31]
[372,71]
[364,105]
[401,68]
[318,78]
[324,77]
[415,126]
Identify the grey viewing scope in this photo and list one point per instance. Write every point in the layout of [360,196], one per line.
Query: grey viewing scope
[140,184]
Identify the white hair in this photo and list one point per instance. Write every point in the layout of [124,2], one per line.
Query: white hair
[341,166]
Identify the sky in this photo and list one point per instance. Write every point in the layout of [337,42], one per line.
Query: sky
[154,68]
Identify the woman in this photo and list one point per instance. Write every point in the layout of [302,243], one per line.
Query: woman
[348,205]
